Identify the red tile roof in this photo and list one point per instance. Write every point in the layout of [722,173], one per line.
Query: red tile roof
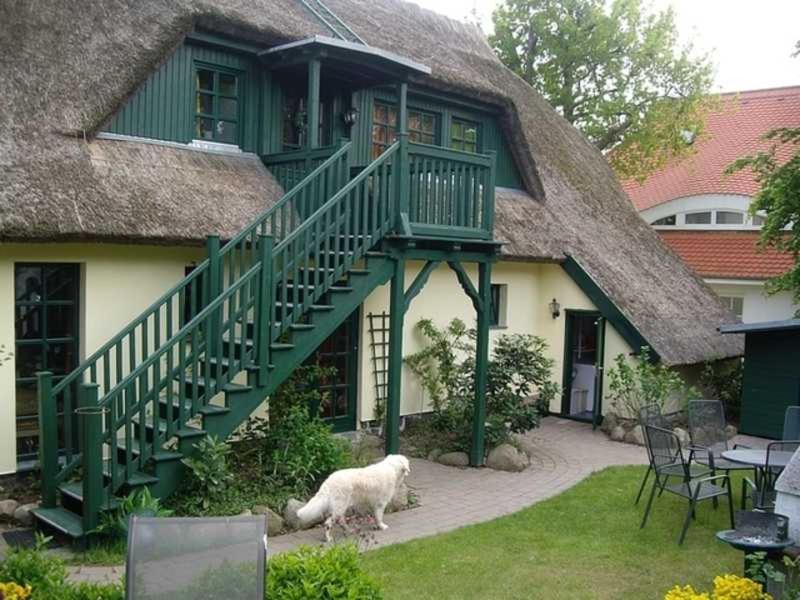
[735,130]
[726,254]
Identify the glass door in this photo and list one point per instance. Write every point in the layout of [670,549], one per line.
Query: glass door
[583,360]
[339,393]
[46,338]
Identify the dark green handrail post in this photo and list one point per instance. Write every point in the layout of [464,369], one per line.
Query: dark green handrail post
[402,201]
[488,206]
[214,289]
[48,437]
[92,452]
[264,307]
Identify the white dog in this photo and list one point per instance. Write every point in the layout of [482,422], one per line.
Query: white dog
[370,488]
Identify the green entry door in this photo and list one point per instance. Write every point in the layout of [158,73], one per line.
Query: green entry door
[46,338]
[340,392]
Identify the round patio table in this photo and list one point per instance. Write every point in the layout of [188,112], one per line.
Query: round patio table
[758,458]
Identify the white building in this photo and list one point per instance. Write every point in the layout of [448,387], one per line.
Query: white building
[702,214]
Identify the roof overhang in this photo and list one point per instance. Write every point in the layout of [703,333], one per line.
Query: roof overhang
[762,327]
[375,62]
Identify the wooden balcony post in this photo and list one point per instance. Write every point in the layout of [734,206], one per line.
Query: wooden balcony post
[488,204]
[313,103]
[48,437]
[396,317]
[476,456]
[264,307]
[401,175]
[91,416]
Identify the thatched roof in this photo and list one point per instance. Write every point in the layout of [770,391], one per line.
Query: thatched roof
[66,71]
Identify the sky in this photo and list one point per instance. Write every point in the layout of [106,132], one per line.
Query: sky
[750,41]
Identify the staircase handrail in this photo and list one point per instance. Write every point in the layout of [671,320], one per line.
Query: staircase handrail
[262,219]
[304,245]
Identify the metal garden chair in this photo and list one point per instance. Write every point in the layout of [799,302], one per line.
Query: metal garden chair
[709,440]
[649,414]
[791,423]
[762,489]
[189,558]
[665,448]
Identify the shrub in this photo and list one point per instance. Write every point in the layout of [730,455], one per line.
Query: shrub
[44,577]
[140,503]
[633,386]
[722,380]
[210,474]
[320,574]
[94,591]
[518,368]
[287,455]
[46,574]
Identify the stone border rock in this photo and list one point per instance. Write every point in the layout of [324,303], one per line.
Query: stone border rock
[621,429]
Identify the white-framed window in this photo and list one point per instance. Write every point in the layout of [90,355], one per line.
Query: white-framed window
[499,305]
[734,303]
[707,219]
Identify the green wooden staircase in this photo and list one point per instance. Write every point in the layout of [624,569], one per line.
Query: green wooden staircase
[208,353]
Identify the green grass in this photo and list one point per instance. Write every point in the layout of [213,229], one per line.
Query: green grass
[583,544]
[101,553]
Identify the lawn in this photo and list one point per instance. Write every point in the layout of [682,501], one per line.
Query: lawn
[583,544]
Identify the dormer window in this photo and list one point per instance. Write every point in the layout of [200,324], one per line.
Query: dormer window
[464,135]
[728,217]
[217,105]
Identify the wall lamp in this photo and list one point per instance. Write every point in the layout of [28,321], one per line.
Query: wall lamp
[350,116]
[555,308]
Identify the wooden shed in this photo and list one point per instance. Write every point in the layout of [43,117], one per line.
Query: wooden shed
[771,379]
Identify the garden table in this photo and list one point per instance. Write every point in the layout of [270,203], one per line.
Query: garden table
[758,458]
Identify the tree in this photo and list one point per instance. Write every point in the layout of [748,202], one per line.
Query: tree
[777,170]
[614,70]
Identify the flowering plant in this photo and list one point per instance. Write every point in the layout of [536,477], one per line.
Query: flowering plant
[14,591]
[726,587]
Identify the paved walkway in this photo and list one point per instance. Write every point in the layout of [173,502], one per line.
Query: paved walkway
[564,453]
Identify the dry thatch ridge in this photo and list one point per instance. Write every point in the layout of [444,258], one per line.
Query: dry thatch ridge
[66,70]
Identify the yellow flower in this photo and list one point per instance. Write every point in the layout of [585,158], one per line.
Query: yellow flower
[14,591]
[733,587]
[686,592]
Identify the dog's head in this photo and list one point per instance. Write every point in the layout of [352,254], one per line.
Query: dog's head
[400,464]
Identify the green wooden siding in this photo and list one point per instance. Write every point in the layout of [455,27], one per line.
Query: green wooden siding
[771,381]
[490,134]
[163,106]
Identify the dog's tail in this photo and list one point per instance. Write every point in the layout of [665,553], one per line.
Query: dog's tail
[314,510]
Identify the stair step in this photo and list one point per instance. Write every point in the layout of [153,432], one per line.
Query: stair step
[236,388]
[358,272]
[136,479]
[74,490]
[61,519]
[301,326]
[313,307]
[340,289]
[281,347]
[160,456]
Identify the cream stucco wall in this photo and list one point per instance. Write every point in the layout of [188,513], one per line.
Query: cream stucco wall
[531,286]
[117,283]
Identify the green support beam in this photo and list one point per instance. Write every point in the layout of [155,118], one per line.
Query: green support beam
[476,455]
[396,304]
[313,103]
[419,283]
[91,416]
